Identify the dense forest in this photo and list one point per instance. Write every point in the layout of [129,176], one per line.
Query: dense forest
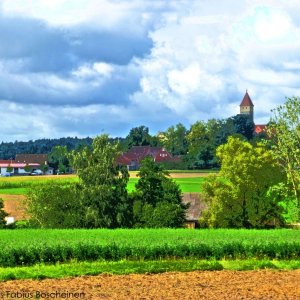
[42,146]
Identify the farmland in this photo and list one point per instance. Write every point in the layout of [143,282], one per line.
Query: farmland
[188,182]
[61,253]
[52,246]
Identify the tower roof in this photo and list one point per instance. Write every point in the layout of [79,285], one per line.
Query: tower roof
[246,100]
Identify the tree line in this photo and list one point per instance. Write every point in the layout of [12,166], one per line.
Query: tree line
[100,198]
[196,146]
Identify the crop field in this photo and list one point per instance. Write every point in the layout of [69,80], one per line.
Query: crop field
[20,185]
[52,246]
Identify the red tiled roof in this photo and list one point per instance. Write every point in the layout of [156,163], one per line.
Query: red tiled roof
[246,100]
[259,128]
[138,153]
[6,161]
[32,158]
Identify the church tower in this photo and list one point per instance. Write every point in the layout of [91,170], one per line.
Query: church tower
[247,107]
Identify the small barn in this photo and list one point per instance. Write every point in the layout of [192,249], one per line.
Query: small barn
[196,206]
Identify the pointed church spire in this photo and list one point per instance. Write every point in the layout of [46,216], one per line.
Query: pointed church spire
[247,100]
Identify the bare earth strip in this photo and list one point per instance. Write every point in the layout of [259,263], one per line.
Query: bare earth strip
[191,285]
[13,205]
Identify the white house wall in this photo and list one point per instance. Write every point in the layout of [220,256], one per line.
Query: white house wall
[3,170]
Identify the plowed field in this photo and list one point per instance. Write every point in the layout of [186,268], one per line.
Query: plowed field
[192,285]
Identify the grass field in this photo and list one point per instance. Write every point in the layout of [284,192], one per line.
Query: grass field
[20,185]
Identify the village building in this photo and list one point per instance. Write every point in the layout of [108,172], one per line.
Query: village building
[133,157]
[24,164]
[247,109]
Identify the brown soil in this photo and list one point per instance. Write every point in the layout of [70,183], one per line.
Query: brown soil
[13,205]
[191,285]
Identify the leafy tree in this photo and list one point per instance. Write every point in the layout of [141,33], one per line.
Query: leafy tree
[157,200]
[242,125]
[164,214]
[139,136]
[9,169]
[44,168]
[27,168]
[54,205]
[284,134]
[175,139]
[100,198]
[201,146]
[247,192]
[58,158]
[3,214]
[103,185]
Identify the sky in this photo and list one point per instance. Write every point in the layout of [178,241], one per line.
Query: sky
[86,67]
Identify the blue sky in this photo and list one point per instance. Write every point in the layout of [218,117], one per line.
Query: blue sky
[86,67]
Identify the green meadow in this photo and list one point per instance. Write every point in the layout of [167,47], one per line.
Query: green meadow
[20,185]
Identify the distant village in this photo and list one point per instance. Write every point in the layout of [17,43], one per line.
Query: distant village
[38,164]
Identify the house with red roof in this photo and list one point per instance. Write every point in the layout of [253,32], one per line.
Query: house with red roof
[23,162]
[133,157]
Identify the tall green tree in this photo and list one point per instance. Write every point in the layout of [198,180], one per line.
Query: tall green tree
[138,136]
[103,185]
[284,135]
[175,139]
[201,148]
[247,191]
[157,200]
[58,159]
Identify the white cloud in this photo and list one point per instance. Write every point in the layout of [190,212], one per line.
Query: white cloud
[205,55]
[97,69]
[202,63]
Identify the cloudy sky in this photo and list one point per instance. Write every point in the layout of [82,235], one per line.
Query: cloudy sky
[86,67]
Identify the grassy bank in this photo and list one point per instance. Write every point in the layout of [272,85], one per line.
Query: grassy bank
[73,269]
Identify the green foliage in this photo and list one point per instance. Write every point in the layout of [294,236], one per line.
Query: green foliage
[139,136]
[174,139]
[284,133]
[28,246]
[247,192]
[164,214]
[9,169]
[175,165]
[27,168]
[3,214]
[123,267]
[9,150]
[53,205]
[102,185]
[58,159]
[204,138]
[155,194]
[44,168]
[99,199]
